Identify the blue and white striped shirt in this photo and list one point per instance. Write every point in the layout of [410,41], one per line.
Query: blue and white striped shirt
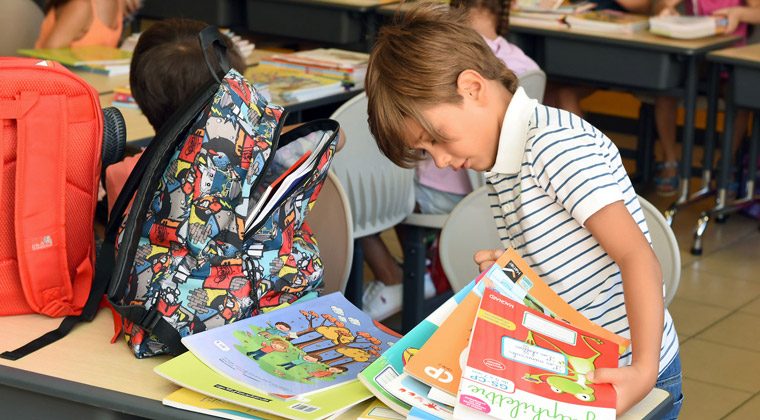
[554,170]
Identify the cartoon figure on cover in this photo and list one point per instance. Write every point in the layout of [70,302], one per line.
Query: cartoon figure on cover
[316,345]
[576,382]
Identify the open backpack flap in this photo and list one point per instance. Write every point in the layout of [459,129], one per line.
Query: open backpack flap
[177,258]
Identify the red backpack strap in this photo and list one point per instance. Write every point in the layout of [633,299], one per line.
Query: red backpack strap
[40,200]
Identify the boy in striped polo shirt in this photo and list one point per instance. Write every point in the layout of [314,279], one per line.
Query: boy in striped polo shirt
[559,191]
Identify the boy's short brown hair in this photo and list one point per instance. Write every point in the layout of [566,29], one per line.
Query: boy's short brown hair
[415,63]
[168,67]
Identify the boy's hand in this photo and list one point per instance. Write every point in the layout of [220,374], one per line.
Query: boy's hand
[632,384]
[486,257]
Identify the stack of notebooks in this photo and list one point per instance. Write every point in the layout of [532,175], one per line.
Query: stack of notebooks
[298,362]
[608,21]
[348,67]
[547,13]
[289,85]
[97,59]
[506,346]
[687,27]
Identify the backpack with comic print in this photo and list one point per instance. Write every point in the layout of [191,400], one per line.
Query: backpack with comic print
[187,258]
[180,254]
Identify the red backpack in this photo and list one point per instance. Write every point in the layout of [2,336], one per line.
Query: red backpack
[50,160]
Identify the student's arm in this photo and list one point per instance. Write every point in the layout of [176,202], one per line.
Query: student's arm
[740,14]
[666,7]
[636,6]
[72,20]
[621,238]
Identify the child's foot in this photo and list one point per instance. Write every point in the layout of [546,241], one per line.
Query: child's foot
[667,179]
[381,301]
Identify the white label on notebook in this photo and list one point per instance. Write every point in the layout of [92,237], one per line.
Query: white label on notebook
[544,327]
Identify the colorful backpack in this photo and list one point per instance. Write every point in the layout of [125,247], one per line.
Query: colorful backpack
[184,260]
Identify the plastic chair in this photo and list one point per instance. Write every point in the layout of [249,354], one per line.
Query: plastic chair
[380,193]
[330,220]
[470,228]
[534,83]
[20,20]
[665,248]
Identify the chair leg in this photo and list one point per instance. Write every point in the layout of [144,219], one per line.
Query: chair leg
[355,286]
[414,278]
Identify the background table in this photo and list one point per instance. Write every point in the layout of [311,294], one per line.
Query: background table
[642,62]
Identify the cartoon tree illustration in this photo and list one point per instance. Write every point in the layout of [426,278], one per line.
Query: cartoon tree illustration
[337,334]
[310,317]
[349,355]
[362,340]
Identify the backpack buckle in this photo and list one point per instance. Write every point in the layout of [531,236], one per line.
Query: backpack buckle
[150,319]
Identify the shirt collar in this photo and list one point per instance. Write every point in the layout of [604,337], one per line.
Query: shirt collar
[514,134]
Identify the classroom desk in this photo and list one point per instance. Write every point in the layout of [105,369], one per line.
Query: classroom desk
[640,62]
[223,13]
[85,376]
[743,67]
[101,82]
[350,24]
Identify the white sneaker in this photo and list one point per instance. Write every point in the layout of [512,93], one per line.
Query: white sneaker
[381,301]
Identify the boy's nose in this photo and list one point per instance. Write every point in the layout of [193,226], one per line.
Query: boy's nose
[441,160]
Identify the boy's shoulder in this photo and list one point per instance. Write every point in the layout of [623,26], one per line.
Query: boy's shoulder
[554,123]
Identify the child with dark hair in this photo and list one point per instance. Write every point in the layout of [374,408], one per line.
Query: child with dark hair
[168,67]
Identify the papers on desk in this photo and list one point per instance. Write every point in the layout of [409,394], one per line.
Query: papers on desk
[289,176]
[97,59]
[292,85]
[611,21]
[687,27]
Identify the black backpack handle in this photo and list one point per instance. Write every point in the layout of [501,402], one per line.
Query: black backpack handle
[210,38]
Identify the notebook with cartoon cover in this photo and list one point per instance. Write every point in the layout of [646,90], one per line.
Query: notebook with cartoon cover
[296,350]
[528,365]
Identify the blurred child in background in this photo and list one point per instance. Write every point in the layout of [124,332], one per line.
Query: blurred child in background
[74,23]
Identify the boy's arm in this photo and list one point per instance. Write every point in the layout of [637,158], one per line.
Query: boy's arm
[620,236]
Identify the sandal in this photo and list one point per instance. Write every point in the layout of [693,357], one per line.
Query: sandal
[666,185]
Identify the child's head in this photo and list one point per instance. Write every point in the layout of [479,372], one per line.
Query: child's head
[488,17]
[279,345]
[337,369]
[282,326]
[434,86]
[312,358]
[168,67]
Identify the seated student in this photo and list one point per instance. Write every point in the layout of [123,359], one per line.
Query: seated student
[75,23]
[559,192]
[167,69]
[738,13]
[568,97]
[437,191]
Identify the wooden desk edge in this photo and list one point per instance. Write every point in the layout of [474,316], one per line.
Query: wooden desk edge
[70,391]
[748,55]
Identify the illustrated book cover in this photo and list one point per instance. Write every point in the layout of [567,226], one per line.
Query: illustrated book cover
[390,364]
[296,350]
[292,85]
[527,364]
[188,400]
[187,371]
[608,21]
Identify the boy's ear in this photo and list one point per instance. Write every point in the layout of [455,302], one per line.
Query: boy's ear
[470,85]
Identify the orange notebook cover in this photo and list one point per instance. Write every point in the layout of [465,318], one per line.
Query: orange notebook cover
[442,369]
[513,266]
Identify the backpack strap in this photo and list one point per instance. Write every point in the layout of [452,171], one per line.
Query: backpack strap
[40,212]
